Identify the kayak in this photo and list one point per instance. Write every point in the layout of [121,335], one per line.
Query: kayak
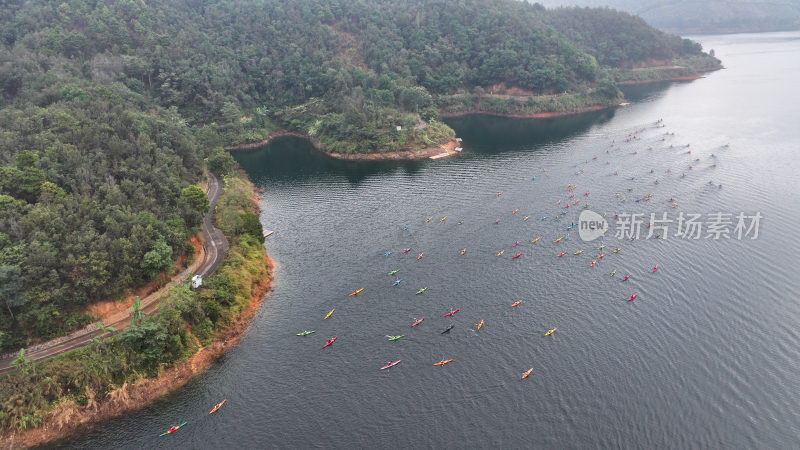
[500,253]
[447,330]
[387,253]
[174,429]
[558,240]
[406,250]
[515,211]
[549,332]
[655,268]
[417,322]
[421,291]
[464,250]
[526,217]
[428,219]
[516,303]
[601,255]
[452,312]
[533,241]
[561,254]
[305,333]
[391,364]
[443,218]
[593,263]
[479,324]
[219,405]
[516,243]
[526,373]
[626,277]
[397,282]
[516,256]
[616,250]
[394,338]
[394,271]
[329,314]
[613,272]
[578,252]
[633,296]
[601,247]
[443,362]
[356,292]
[420,256]
[330,341]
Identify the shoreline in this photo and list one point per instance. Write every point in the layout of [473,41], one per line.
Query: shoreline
[538,115]
[678,78]
[66,421]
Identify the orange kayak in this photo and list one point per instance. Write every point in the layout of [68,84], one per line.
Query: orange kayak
[443,362]
[219,405]
[516,303]
[526,373]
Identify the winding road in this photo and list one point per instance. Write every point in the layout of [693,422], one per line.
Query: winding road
[214,247]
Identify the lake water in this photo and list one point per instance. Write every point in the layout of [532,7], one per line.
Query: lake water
[707,355]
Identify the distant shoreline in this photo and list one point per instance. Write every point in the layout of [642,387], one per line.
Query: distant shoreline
[402,155]
[538,115]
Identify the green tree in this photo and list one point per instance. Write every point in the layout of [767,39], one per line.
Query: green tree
[157,260]
[136,312]
[22,362]
[196,198]
[10,287]
[220,162]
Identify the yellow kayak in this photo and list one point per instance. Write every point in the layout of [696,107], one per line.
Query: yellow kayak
[356,292]
[500,252]
[578,252]
[550,332]
[329,314]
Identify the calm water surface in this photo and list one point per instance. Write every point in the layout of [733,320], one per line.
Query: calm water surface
[706,356]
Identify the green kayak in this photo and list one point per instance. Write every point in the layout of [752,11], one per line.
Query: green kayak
[394,338]
[305,333]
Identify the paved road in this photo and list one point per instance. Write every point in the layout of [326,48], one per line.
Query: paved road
[214,247]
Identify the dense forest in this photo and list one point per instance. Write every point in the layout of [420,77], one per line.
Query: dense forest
[110,108]
[704,16]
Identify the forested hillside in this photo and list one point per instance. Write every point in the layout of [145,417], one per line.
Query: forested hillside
[704,16]
[110,107]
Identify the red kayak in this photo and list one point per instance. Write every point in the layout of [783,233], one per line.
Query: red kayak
[633,297]
[417,322]
[391,364]
[407,250]
[452,312]
[330,341]
[655,268]
[516,256]
[626,277]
